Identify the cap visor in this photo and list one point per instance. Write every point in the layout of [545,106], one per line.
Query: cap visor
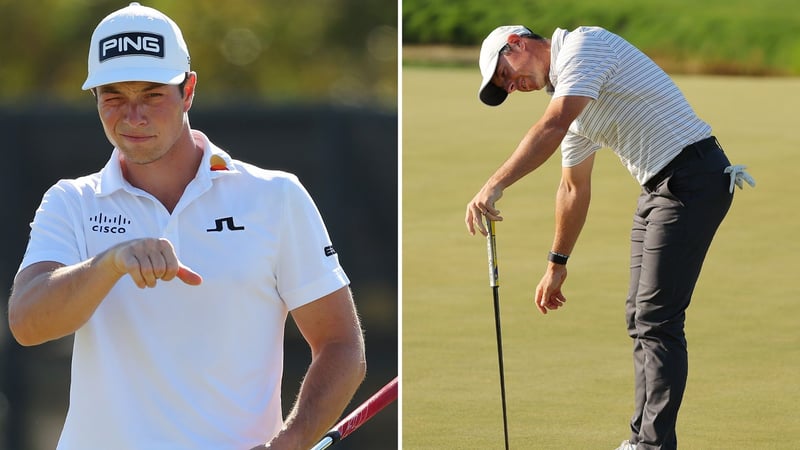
[492,95]
[162,76]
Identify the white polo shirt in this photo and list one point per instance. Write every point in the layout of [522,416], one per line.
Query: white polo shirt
[637,111]
[178,366]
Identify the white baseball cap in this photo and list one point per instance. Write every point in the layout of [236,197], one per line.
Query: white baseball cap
[489,93]
[137,43]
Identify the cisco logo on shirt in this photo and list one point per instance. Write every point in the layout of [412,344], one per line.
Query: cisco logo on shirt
[106,224]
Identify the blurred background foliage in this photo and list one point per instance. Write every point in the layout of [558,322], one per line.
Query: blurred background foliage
[330,51]
[687,36]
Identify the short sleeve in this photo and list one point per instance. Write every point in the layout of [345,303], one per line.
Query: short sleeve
[308,266]
[54,236]
[584,64]
[575,149]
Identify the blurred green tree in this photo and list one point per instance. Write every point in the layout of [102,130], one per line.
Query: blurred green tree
[331,51]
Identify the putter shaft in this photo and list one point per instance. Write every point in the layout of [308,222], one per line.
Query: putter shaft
[495,285]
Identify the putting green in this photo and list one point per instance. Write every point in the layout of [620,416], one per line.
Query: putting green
[569,374]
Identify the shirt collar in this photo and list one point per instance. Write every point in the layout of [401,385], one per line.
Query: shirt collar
[555,48]
[215,163]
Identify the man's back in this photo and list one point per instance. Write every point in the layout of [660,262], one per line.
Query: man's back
[638,110]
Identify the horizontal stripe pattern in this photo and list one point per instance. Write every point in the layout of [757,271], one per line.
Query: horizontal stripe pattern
[637,111]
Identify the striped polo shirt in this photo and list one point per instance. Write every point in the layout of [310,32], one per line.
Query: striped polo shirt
[637,111]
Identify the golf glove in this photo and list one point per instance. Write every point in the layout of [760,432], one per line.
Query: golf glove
[739,176]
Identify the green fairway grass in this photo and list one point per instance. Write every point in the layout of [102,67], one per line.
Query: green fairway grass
[569,374]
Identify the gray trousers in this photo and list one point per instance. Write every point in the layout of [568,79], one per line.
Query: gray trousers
[677,216]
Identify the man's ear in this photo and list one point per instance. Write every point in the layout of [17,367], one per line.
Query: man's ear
[513,39]
[188,90]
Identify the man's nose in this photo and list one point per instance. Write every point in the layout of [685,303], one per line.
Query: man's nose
[134,114]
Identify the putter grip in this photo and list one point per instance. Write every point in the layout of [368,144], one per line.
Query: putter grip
[358,416]
[491,247]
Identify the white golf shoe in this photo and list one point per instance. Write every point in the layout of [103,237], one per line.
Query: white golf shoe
[626,445]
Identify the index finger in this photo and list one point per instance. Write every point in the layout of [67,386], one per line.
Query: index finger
[473,217]
[538,300]
[170,258]
[468,221]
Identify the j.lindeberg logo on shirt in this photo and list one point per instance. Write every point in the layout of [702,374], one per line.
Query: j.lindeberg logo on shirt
[228,222]
[107,224]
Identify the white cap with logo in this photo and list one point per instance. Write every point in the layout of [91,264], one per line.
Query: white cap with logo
[490,93]
[137,43]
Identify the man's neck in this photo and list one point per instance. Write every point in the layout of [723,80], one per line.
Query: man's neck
[167,178]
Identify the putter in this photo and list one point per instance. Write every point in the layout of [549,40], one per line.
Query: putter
[361,414]
[494,284]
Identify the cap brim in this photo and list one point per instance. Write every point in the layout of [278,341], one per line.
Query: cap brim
[162,76]
[492,95]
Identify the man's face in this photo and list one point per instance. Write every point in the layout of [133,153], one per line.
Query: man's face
[521,67]
[143,119]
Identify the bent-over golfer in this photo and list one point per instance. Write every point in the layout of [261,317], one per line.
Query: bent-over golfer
[607,93]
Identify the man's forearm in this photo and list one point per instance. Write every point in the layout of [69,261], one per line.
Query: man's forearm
[535,149]
[572,206]
[330,382]
[55,303]
[50,300]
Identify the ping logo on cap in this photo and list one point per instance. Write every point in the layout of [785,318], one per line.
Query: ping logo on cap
[136,43]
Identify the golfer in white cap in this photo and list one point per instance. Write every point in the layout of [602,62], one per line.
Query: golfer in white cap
[167,356]
[608,94]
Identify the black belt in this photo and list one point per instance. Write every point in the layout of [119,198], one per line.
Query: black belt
[688,153]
